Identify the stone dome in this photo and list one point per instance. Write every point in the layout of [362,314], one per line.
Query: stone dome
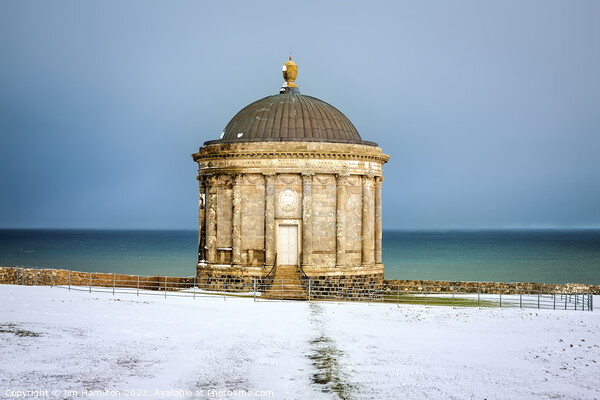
[290,117]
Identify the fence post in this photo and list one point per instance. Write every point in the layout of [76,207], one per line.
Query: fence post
[51,277]
[554,299]
[478,291]
[114,282]
[137,289]
[90,282]
[565,301]
[69,280]
[398,296]
[35,276]
[500,297]
[165,287]
[452,296]
[309,288]
[539,293]
[195,281]
[254,290]
[425,296]
[17,269]
[591,302]
[281,289]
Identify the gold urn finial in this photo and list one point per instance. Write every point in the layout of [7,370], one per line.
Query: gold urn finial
[290,71]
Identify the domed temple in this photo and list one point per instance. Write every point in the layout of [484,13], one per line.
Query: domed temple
[290,190]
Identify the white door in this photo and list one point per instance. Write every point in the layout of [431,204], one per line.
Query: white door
[287,245]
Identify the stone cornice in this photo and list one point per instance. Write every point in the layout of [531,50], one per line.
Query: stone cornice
[291,150]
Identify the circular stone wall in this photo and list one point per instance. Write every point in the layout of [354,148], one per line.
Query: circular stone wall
[312,205]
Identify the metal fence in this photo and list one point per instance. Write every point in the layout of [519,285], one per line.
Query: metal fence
[461,296]
[269,289]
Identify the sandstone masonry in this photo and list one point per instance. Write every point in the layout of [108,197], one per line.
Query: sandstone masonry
[311,204]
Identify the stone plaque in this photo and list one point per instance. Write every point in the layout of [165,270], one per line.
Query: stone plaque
[288,200]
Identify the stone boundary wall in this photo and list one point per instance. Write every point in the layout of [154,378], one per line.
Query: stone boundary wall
[487,287]
[346,286]
[46,277]
[27,276]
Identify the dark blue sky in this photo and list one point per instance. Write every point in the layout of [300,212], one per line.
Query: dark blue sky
[490,110]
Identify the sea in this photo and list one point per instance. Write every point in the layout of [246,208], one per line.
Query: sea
[543,256]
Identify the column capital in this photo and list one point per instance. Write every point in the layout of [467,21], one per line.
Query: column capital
[367,180]
[270,178]
[211,180]
[237,178]
[307,178]
[342,178]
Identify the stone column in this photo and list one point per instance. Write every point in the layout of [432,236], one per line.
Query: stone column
[201,222]
[211,219]
[368,215]
[378,236]
[269,220]
[340,225]
[307,218]
[236,221]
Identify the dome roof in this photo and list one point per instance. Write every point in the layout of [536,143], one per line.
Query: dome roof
[290,117]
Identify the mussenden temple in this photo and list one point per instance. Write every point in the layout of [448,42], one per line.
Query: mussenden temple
[290,192]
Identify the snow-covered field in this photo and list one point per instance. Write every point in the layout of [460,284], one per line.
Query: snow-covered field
[56,343]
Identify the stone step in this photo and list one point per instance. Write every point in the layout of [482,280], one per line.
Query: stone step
[285,296]
[286,284]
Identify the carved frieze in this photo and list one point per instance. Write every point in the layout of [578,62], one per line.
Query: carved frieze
[325,179]
[353,180]
[253,179]
[224,180]
[289,179]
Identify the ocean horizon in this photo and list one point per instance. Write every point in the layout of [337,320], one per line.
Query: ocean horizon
[543,256]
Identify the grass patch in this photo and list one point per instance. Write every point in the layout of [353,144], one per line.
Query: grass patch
[439,301]
[13,329]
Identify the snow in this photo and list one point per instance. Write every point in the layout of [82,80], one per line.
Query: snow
[100,345]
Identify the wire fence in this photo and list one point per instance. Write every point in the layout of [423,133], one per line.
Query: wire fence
[270,289]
